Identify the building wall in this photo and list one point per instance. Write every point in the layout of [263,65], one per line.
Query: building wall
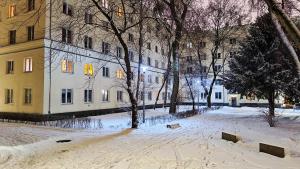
[20,80]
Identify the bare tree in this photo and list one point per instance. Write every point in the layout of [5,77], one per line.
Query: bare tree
[176,11]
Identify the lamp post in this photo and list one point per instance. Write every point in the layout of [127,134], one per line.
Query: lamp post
[198,95]
[144,86]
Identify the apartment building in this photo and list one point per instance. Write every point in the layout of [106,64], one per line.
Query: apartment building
[53,61]
[199,50]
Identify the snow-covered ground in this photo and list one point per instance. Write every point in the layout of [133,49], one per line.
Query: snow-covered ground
[196,144]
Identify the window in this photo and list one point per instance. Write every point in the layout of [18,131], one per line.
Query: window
[169,96]
[105,25]
[67,96]
[105,72]
[218,95]
[156,49]
[104,3]
[30,33]
[67,8]
[149,95]
[203,69]
[219,55]
[219,82]
[28,65]
[120,74]
[157,79]
[30,5]
[119,52]
[66,36]
[148,61]
[27,96]
[189,70]
[130,37]
[120,96]
[105,48]
[218,68]
[119,11]
[163,95]
[189,59]
[203,56]
[9,94]
[163,65]
[189,45]
[162,51]
[149,45]
[67,66]
[233,41]
[202,44]
[131,56]
[88,17]
[156,63]
[11,11]
[88,96]
[88,42]
[9,67]
[88,69]
[12,37]
[105,95]
[149,79]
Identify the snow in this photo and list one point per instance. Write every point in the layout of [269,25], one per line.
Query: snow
[196,144]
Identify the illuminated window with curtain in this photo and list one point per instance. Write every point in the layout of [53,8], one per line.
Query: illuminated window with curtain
[120,74]
[119,11]
[11,11]
[89,69]
[67,66]
[27,65]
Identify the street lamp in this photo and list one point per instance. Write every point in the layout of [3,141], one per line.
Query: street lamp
[144,86]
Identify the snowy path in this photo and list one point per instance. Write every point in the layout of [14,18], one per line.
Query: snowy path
[195,145]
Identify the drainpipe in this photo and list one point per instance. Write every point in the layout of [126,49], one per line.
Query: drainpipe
[50,58]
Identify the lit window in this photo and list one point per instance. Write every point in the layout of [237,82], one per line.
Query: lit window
[27,96]
[105,95]
[9,93]
[67,66]
[119,11]
[120,74]
[11,11]
[88,69]
[28,65]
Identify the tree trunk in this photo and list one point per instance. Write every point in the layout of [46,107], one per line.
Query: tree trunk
[210,92]
[175,66]
[191,92]
[271,101]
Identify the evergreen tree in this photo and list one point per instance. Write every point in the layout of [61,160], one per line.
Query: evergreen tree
[262,67]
